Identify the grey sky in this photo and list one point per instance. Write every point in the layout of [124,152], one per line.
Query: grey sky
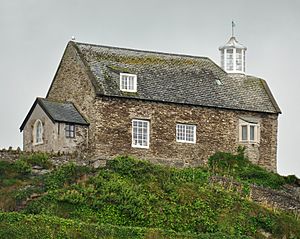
[34,33]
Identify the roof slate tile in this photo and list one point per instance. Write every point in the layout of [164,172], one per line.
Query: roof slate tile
[62,111]
[176,79]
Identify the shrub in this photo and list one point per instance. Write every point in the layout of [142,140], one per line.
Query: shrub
[238,166]
[9,182]
[4,167]
[291,179]
[7,170]
[21,226]
[22,167]
[39,159]
[136,169]
[66,174]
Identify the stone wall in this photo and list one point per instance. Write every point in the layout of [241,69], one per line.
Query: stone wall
[57,159]
[216,130]
[110,123]
[10,155]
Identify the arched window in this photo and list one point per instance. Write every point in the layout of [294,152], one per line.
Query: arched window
[38,132]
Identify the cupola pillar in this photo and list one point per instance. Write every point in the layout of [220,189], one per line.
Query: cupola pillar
[233,55]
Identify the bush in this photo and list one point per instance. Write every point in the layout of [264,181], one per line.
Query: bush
[39,159]
[260,176]
[4,167]
[135,169]
[7,171]
[66,174]
[9,182]
[20,226]
[238,166]
[22,167]
[291,179]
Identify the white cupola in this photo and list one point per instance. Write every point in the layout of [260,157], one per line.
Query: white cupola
[233,55]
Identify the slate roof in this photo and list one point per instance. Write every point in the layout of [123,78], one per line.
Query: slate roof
[64,112]
[174,78]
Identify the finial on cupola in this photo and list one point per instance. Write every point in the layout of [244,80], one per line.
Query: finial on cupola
[233,55]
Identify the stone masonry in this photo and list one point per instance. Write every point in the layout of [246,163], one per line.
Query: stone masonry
[110,120]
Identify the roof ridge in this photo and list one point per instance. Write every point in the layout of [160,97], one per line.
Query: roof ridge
[145,51]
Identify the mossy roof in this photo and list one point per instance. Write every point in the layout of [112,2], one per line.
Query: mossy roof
[174,78]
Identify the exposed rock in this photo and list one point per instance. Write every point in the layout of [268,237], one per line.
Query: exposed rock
[99,163]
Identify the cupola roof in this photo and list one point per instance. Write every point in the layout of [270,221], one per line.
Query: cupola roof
[233,43]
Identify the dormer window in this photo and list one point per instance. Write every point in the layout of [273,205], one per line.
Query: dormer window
[128,82]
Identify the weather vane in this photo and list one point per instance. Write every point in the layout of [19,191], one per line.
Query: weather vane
[232,28]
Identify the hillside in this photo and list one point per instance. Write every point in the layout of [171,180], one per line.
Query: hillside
[130,198]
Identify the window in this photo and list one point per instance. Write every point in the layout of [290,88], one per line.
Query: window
[239,61]
[38,132]
[70,131]
[140,133]
[249,132]
[229,60]
[222,59]
[186,133]
[128,82]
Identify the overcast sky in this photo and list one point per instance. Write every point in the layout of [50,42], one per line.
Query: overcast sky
[34,34]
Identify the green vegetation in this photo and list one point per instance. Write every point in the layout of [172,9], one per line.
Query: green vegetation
[241,169]
[38,159]
[11,179]
[16,225]
[131,198]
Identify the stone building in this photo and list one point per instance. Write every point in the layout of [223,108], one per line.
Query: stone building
[54,126]
[167,108]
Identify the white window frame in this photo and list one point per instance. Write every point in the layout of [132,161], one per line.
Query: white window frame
[127,87]
[135,137]
[225,62]
[38,132]
[256,132]
[70,131]
[184,139]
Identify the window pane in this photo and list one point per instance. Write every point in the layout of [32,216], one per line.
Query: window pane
[185,133]
[244,132]
[239,60]
[70,131]
[244,62]
[140,133]
[128,82]
[252,132]
[229,59]
[38,132]
[222,59]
